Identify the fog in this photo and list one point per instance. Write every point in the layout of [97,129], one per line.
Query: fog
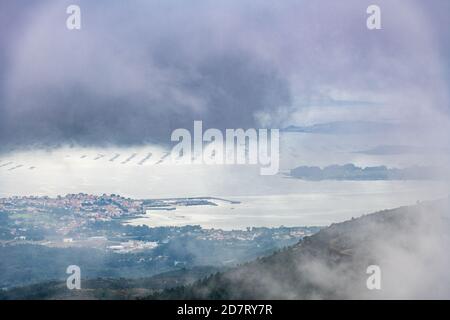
[72,100]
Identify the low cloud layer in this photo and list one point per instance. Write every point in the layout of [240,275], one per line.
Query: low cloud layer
[135,72]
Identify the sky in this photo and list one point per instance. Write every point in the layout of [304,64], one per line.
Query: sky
[138,70]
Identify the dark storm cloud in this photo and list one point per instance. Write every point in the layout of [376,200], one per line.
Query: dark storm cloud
[129,76]
[76,114]
[137,70]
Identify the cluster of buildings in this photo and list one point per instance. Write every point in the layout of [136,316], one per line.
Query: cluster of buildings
[70,220]
[133,246]
[88,206]
[33,217]
[250,234]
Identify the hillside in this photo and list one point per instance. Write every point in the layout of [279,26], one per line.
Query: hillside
[111,289]
[409,244]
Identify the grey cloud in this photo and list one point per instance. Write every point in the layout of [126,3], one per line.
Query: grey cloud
[137,71]
[116,83]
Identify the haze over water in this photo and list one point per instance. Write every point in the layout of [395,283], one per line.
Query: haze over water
[268,201]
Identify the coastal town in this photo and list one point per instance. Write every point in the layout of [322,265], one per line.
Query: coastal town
[101,221]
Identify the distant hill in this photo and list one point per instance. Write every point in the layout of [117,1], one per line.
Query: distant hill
[344,127]
[409,244]
[352,172]
[401,149]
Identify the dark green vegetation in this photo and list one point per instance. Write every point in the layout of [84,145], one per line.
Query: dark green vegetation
[186,247]
[107,288]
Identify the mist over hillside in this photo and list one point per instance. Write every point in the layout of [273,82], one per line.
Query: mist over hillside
[409,244]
